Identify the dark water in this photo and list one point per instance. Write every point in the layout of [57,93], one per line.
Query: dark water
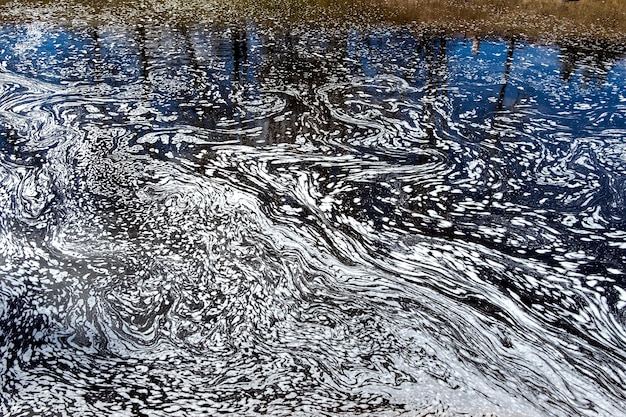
[213,220]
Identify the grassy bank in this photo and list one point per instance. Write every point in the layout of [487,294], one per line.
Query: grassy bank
[533,18]
[536,19]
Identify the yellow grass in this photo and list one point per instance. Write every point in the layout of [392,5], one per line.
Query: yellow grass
[552,18]
[545,19]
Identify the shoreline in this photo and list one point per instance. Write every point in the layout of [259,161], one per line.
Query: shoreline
[545,21]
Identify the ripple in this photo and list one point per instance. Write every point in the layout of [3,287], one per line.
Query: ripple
[231,220]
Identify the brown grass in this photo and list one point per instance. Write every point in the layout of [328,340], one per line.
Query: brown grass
[535,18]
[541,19]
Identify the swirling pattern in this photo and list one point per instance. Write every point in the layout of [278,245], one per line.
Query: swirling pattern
[243,221]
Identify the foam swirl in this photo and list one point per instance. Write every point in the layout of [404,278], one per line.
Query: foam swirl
[228,220]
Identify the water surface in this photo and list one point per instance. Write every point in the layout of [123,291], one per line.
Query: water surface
[221,219]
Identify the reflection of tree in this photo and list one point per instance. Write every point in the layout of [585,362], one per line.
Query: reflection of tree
[285,66]
[437,60]
[141,40]
[507,72]
[239,44]
[436,82]
[197,83]
[97,64]
[475,45]
[283,61]
[97,58]
[595,62]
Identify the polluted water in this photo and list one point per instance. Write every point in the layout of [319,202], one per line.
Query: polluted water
[229,219]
